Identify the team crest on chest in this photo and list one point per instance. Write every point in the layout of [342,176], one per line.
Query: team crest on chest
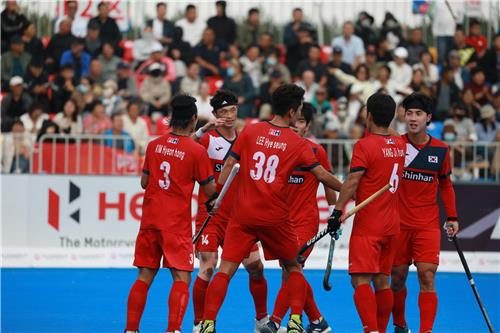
[274,132]
[432,159]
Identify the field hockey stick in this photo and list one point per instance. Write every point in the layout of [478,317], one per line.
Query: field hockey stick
[218,201]
[454,239]
[326,283]
[301,259]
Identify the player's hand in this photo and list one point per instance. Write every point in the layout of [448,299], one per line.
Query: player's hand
[334,221]
[210,203]
[213,124]
[336,235]
[451,228]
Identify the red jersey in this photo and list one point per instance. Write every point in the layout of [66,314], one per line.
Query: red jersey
[218,148]
[479,43]
[173,164]
[267,154]
[382,159]
[424,166]
[302,190]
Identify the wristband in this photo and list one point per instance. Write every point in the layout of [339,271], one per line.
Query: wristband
[199,133]
[331,208]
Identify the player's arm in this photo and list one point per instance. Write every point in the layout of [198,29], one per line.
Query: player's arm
[226,170]
[210,125]
[209,188]
[331,196]
[448,197]
[144,180]
[349,189]
[326,178]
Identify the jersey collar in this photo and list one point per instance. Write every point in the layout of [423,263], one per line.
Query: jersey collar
[415,145]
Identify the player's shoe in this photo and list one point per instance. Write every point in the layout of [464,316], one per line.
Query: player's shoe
[208,326]
[259,324]
[399,329]
[129,331]
[321,327]
[269,327]
[294,326]
[197,327]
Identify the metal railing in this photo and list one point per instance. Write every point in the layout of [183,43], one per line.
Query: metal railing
[115,155]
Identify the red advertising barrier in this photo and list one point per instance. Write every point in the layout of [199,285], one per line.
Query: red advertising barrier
[84,159]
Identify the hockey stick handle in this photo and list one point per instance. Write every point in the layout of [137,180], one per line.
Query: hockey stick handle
[473,284]
[325,231]
[218,201]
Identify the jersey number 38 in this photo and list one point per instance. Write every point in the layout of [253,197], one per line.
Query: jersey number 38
[264,168]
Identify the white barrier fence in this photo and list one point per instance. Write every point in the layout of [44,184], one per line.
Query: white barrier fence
[90,221]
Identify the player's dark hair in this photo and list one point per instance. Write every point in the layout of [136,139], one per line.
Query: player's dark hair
[159,4]
[183,110]
[253,11]
[419,101]
[382,108]
[307,112]
[286,97]
[189,7]
[223,98]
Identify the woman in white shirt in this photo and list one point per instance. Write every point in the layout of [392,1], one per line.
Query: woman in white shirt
[69,120]
[33,120]
[430,71]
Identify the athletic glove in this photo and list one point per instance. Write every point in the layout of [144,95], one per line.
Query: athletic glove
[334,223]
[209,204]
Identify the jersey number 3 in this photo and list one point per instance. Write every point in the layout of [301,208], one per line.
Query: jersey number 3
[394,181]
[269,172]
[165,183]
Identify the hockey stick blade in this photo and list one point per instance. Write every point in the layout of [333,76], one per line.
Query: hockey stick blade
[326,279]
[228,182]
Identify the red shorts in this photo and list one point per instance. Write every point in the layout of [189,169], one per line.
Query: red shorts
[304,234]
[371,254]
[151,245]
[278,242]
[418,245]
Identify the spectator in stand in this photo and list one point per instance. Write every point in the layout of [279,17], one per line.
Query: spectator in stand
[32,44]
[491,62]
[313,63]
[418,83]
[86,95]
[461,74]
[136,126]
[415,46]
[191,25]
[16,103]
[79,23]
[386,84]
[37,83]
[95,73]
[266,91]
[488,127]
[346,121]
[400,71]
[471,106]
[48,127]
[365,28]
[240,83]
[391,30]
[479,86]
[271,64]
[12,22]
[108,29]
[16,148]
[77,57]
[251,30]
[353,49]
[179,49]
[144,46]
[371,61]
[191,82]
[496,104]
[92,40]
[266,44]
[252,65]
[110,99]
[109,61]
[207,54]
[336,89]
[464,126]
[33,119]
[445,17]
[64,87]
[475,39]
[15,61]
[447,94]
[156,91]
[59,43]
[468,55]
[384,55]
[291,32]
[127,87]
[123,140]
[307,83]
[298,52]
[360,79]
[222,26]
[157,56]
[429,70]
[97,122]
[69,119]
[399,123]
[203,102]
[320,101]
[163,29]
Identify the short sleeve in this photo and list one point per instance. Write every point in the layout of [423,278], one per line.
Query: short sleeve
[446,166]
[145,167]
[203,168]
[359,161]
[307,159]
[204,140]
[238,145]
[323,158]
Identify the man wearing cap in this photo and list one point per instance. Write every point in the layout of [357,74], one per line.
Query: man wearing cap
[353,48]
[15,104]
[173,163]
[401,72]
[157,56]
[427,168]
[15,61]
[488,127]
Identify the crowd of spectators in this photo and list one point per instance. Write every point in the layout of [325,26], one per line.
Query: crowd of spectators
[83,80]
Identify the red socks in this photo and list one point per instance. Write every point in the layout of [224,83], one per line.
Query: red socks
[281,304]
[216,293]
[177,305]
[366,306]
[427,303]
[398,309]
[384,306]
[258,289]
[297,292]
[310,307]
[199,291]
[136,302]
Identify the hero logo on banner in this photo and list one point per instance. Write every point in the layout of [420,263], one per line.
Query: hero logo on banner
[54,206]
